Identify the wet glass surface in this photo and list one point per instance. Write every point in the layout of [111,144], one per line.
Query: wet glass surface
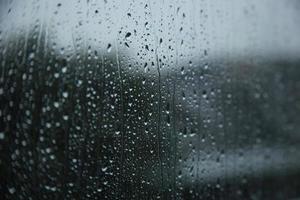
[149,99]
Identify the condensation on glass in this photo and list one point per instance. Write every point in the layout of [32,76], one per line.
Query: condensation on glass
[154,99]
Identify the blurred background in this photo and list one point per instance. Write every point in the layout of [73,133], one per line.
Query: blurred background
[161,99]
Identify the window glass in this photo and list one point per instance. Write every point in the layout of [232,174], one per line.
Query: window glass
[167,99]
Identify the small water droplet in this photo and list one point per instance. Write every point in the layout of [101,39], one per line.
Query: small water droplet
[12,190]
[56,104]
[127,36]
[2,136]
[65,94]
[64,70]
[109,47]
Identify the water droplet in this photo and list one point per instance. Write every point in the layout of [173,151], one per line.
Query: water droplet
[12,190]
[108,47]
[56,104]
[104,169]
[64,69]
[65,94]
[127,36]
[2,136]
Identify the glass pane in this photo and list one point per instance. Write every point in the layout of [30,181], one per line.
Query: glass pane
[149,99]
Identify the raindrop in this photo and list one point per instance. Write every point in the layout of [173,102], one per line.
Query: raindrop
[12,190]
[2,136]
[104,169]
[65,94]
[108,47]
[127,36]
